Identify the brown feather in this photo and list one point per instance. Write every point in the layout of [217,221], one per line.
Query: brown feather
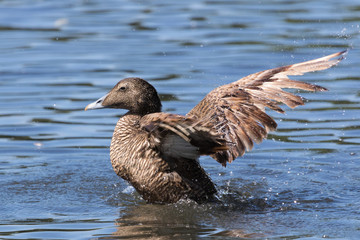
[237,110]
[158,152]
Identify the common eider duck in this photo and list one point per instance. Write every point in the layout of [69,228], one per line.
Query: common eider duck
[158,152]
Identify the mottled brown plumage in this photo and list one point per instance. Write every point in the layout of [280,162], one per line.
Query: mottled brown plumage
[158,152]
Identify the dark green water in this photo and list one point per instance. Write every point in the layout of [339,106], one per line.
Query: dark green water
[56,181]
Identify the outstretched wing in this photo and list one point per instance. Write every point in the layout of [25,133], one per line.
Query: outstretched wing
[237,110]
[180,136]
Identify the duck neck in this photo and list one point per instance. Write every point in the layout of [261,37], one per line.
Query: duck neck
[152,106]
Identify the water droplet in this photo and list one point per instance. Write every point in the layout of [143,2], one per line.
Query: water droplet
[38,144]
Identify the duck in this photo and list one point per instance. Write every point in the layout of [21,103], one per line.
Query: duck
[158,152]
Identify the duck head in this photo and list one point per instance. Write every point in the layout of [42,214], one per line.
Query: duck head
[134,94]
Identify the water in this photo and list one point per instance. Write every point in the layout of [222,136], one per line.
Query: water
[58,56]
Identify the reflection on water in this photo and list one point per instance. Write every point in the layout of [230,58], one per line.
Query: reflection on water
[56,178]
[181,220]
[159,221]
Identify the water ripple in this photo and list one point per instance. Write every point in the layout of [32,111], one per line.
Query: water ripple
[56,176]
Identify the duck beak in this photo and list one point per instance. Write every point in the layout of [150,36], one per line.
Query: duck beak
[97,104]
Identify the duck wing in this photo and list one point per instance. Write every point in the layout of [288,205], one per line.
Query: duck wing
[180,140]
[181,136]
[237,110]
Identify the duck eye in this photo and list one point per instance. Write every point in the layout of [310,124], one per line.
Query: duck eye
[122,88]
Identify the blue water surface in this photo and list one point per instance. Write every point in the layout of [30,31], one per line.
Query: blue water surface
[56,180]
